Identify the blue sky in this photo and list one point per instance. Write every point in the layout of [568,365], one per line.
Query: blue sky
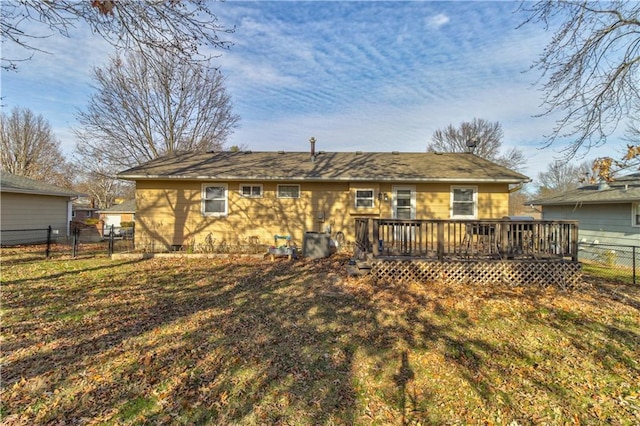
[368,76]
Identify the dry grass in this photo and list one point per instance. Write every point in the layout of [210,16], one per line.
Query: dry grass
[240,341]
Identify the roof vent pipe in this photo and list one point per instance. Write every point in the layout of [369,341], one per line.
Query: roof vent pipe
[312,141]
[603,185]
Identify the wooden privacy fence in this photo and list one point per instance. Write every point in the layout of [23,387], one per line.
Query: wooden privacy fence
[469,239]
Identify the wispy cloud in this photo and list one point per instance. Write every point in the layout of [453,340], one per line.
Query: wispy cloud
[437,21]
[373,76]
[55,82]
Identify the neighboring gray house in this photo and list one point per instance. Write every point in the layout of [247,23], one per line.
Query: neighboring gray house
[609,213]
[28,207]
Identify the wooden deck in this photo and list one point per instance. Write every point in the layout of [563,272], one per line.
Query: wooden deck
[499,239]
[531,252]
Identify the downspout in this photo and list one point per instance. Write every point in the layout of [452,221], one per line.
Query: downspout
[518,187]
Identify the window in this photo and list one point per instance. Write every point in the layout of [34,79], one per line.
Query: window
[288,191]
[214,200]
[364,198]
[464,202]
[251,191]
[635,214]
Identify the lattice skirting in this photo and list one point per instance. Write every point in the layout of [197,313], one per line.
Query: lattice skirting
[513,272]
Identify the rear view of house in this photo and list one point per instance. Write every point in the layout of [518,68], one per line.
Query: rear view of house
[191,198]
[28,207]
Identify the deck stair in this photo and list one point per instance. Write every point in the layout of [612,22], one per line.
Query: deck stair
[358,268]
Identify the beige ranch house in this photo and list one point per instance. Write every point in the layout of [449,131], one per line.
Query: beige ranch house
[236,196]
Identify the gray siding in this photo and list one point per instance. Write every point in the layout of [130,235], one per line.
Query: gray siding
[605,223]
[28,211]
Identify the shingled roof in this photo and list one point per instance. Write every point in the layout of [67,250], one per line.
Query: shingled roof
[22,185]
[127,206]
[625,189]
[326,166]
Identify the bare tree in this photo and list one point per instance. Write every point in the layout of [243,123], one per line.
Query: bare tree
[479,136]
[561,176]
[632,133]
[29,148]
[150,105]
[97,179]
[518,202]
[590,69]
[183,27]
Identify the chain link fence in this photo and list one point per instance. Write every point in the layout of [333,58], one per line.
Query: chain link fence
[619,262]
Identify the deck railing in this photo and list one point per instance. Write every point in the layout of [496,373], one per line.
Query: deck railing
[471,239]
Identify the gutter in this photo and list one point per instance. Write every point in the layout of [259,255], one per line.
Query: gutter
[519,186]
[520,183]
[72,195]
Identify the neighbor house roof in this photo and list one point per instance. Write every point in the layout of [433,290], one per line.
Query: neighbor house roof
[127,206]
[23,185]
[326,166]
[83,203]
[625,189]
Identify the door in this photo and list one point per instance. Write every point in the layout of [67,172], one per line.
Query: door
[404,202]
[112,220]
[404,208]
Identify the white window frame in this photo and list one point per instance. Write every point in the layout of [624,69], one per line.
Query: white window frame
[372,198]
[635,215]
[475,202]
[252,187]
[287,197]
[204,199]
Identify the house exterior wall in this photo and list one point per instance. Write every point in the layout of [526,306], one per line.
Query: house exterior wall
[169,212]
[604,223]
[29,211]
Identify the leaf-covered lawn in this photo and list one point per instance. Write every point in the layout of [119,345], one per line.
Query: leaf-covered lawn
[246,341]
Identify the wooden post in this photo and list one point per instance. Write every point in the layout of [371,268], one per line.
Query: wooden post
[440,241]
[376,237]
[504,244]
[574,241]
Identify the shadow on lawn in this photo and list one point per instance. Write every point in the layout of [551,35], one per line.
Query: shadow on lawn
[226,343]
[237,342]
[70,272]
[405,375]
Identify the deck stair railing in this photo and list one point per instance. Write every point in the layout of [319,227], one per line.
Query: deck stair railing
[477,239]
